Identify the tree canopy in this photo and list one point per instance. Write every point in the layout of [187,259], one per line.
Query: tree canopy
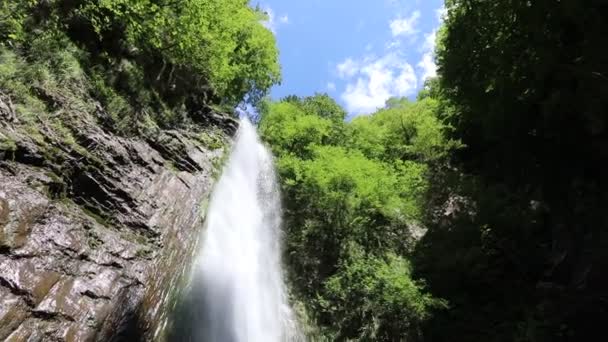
[353,196]
[160,59]
[220,44]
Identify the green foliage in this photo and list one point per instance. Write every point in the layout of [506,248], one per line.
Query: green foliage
[13,15]
[403,131]
[211,140]
[198,43]
[290,130]
[149,62]
[10,68]
[375,299]
[522,205]
[46,82]
[321,105]
[7,146]
[336,197]
[351,203]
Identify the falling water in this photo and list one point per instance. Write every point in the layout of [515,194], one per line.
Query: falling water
[238,281]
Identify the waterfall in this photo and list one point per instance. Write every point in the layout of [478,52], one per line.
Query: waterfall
[237,287]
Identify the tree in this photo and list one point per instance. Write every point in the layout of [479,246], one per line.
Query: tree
[521,84]
[402,131]
[351,202]
[206,43]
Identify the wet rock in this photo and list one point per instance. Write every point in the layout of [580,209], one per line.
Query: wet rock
[209,117]
[94,236]
[4,211]
[21,209]
[26,279]
[12,312]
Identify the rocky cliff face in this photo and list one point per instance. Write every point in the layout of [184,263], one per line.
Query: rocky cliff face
[96,229]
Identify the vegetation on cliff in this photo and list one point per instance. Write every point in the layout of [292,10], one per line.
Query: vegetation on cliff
[160,62]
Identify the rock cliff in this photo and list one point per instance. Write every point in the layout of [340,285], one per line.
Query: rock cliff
[97,229]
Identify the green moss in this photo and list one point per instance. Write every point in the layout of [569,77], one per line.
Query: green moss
[7,144]
[56,188]
[144,252]
[52,153]
[170,165]
[94,241]
[95,216]
[8,147]
[33,132]
[68,202]
[147,126]
[218,164]
[67,139]
[211,140]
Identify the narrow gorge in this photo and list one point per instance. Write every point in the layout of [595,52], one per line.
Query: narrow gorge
[291,171]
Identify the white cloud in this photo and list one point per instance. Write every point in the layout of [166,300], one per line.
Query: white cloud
[273,22]
[429,41]
[373,80]
[405,26]
[428,66]
[348,68]
[331,86]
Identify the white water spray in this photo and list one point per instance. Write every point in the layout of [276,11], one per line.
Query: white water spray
[240,280]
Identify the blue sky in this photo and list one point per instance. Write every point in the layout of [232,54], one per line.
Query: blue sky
[361,52]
